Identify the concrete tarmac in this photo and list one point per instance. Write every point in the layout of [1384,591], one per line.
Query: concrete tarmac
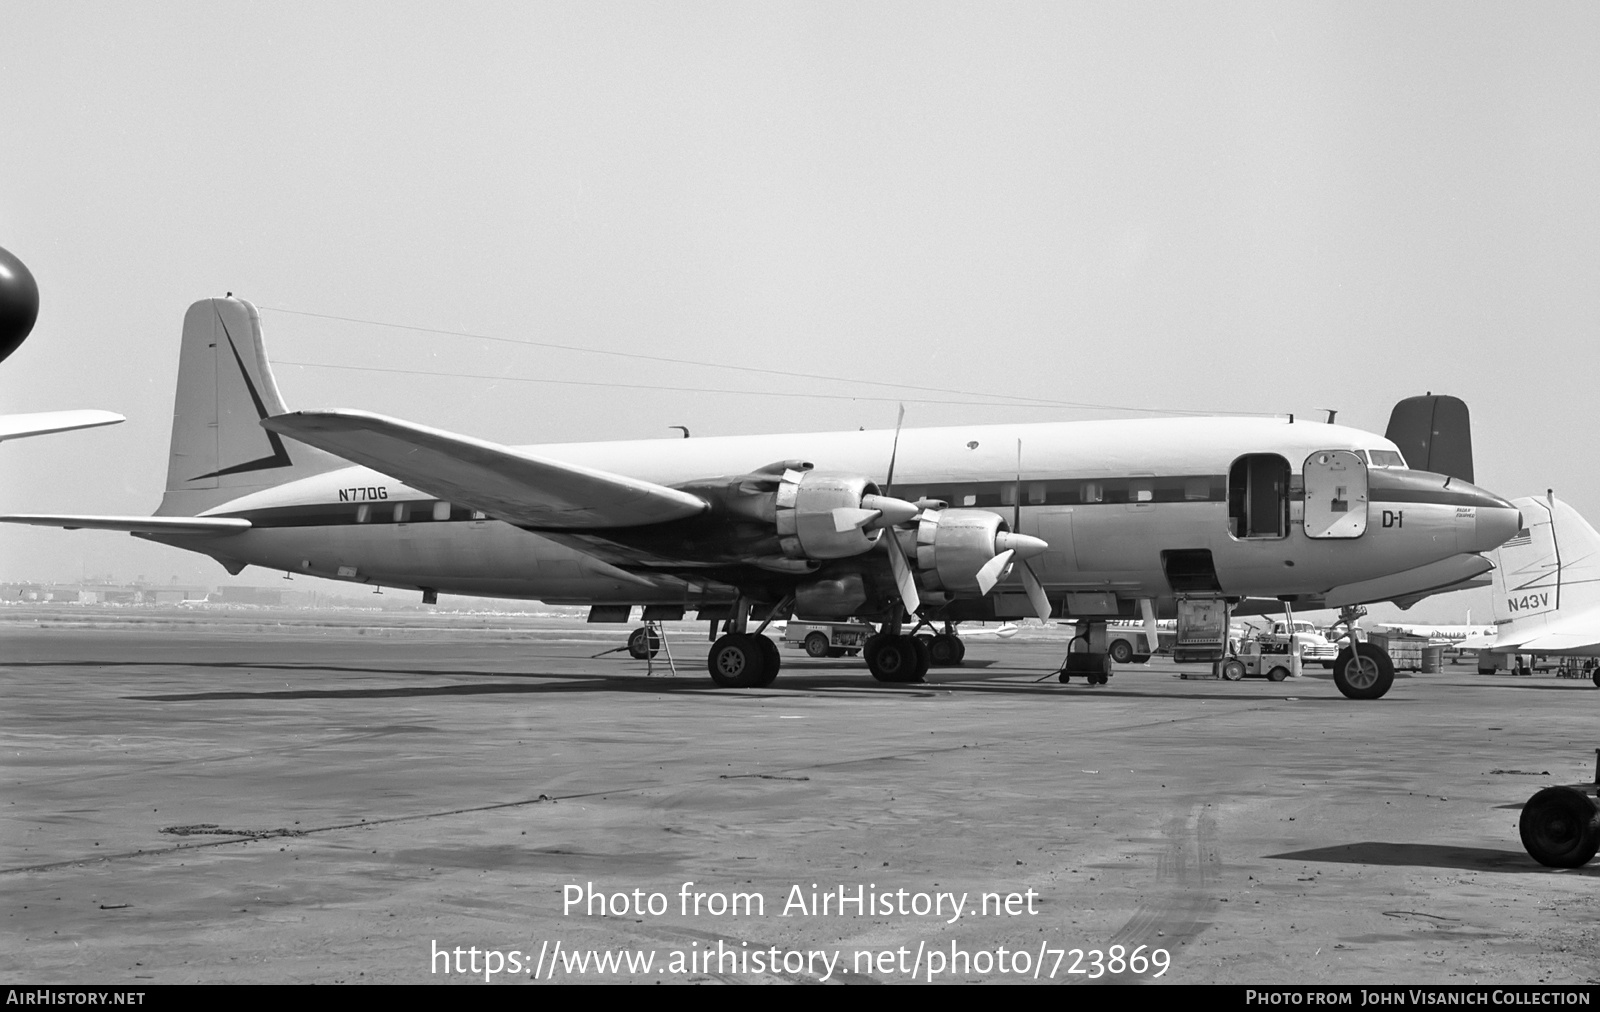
[281,797]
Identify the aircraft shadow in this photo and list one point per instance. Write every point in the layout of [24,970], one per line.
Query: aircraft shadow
[790,684]
[1555,685]
[1429,855]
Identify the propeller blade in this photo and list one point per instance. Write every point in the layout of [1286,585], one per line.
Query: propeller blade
[1025,545]
[846,518]
[904,579]
[1152,633]
[1016,509]
[1036,594]
[993,570]
[894,451]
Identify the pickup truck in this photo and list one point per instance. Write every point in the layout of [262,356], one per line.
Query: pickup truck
[1305,639]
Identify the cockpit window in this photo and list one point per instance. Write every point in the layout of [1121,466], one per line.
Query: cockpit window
[1386,458]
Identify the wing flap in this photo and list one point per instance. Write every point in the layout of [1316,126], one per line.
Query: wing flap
[133,525]
[505,483]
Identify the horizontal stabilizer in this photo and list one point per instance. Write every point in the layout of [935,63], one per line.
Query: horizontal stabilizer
[1551,643]
[133,525]
[507,484]
[39,423]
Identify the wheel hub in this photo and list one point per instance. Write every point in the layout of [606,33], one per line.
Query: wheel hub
[1362,672]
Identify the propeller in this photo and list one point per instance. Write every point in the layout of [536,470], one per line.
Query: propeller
[905,580]
[1009,547]
[1030,580]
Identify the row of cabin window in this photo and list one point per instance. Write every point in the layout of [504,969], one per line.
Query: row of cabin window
[414,512]
[1204,488]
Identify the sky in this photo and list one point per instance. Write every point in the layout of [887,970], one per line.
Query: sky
[1230,207]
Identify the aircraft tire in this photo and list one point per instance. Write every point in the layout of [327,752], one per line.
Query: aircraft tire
[1232,670]
[1278,673]
[770,657]
[817,645]
[1120,651]
[1596,678]
[946,650]
[924,654]
[1374,678]
[869,650]
[893,658]
[736,662]
[1560,827]
[643,643]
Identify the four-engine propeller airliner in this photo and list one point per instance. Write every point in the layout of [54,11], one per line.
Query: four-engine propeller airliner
[1089,520]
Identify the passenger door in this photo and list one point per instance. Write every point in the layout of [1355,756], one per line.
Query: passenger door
[1335,495]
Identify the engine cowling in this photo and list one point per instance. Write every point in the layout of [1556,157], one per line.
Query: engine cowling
[953,546]
[814,516]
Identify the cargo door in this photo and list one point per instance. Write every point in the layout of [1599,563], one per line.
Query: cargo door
[1335,495]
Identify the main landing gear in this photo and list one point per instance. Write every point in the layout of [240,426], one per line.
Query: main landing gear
[895,657]
[743,661]
[740,659]
[945,649]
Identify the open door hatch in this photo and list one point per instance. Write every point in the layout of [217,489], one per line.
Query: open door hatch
[1258,496]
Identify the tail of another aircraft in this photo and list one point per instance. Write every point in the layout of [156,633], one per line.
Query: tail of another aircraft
[1553,564]
[225,388]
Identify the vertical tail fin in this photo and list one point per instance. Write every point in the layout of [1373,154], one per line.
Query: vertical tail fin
[225,388]
[1434,432]
[1553,563]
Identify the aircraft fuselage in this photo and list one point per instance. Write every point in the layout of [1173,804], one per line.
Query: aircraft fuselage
[1141,508]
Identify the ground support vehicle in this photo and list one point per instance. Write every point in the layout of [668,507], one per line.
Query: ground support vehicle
[1260,659]
[1128,644]
[1560,826]
[827,639]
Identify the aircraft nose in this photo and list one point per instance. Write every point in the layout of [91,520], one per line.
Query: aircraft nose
[1498,522]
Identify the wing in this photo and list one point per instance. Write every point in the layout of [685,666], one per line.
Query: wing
[507,484]
[41,422]
[133,525]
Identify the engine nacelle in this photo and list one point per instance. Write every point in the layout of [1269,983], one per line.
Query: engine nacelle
[804,515]
[788,518]
[952,545]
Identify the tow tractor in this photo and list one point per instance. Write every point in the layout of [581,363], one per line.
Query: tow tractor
[1258,658]
[1560,826]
